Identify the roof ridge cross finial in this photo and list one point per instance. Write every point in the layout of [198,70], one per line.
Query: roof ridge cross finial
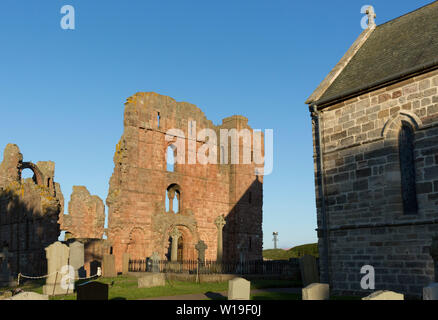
[371,16]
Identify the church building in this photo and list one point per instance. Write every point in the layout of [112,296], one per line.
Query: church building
[375,135]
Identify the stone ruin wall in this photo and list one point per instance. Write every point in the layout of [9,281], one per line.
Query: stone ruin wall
[29,211]
[86,215]
[137,219]
[363,187]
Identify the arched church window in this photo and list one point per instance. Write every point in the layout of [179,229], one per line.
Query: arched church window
[407,169]
[173,199]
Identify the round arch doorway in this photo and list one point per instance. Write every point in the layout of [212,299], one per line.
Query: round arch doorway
[180,251]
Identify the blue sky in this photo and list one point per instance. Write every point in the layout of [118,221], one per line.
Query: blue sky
[62,91]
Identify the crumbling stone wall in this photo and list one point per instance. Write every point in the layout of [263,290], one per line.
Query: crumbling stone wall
[86,218]
[366,220]
[29,211]
[137,219]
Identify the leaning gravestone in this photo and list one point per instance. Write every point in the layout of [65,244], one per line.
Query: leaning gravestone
[109,266]
[431,292]
[316,291]
[239,289]
[76,258]
[309,270]
[92,290]
[57,255]
[384,295]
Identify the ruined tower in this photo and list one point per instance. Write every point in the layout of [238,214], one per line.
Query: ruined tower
[29,210]
[157,127]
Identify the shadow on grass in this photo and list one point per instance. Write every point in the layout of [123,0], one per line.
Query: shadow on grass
[215,296]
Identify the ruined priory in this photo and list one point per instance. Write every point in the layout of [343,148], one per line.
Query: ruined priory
[153,208]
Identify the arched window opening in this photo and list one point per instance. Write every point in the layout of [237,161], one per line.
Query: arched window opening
[173,199]
[170,158]
[28,173]
[158,119]
[407,169]
[48,182]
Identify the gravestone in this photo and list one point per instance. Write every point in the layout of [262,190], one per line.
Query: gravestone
[316,291]
[239,289]
[309,270]
[76,259]
[152,280]
[29,296]
[201,247]
[431,292]
[155,262]
[95,265]
[6,279]
[125,263]
[57,255]
[109,266]
[92,290]
[384,295]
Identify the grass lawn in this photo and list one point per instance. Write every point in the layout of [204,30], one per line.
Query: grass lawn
[125,287]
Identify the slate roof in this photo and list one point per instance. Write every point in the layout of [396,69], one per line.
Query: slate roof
[399,46]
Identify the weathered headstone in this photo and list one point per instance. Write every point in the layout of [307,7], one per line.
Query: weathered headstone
[57,255]
[125,263]
[76,259]
[29,296]
[316,291]
[109,266]
[239,289]
[94,267]
[152,280]
[430,292]
[309,270]
[92,290]
[5,273]
[155,262]
[384,295]
[201,247]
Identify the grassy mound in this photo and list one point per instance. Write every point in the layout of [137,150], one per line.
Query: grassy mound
[295,252]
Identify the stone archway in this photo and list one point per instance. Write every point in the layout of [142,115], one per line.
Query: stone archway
[185,243]
[39,178]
